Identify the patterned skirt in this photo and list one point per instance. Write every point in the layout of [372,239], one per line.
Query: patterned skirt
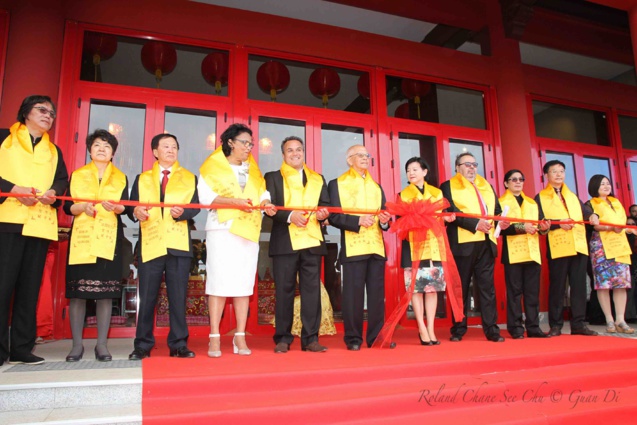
[428,279]
[607,274]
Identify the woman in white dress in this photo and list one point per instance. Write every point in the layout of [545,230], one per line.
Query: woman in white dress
[231,177]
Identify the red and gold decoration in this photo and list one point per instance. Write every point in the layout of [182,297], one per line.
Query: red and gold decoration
[266,301]
[363,85]
[100,47]
[324,83]
[402,111]
[416,90]
[273,77]
[214,69]
[159,58]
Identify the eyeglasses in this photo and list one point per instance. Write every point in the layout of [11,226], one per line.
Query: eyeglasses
[360,155]
[45,111]
[517,179]
[248,144]
[470,164]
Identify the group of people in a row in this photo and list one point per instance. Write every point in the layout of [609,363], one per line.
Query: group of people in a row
[32,167]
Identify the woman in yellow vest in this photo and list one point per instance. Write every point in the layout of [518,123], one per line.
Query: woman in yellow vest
[610,253]
[94,270]
[522,259]
[230,176]
[430,278]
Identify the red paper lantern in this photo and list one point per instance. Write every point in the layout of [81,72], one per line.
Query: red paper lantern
[100,47]
[273,77]
[324,83]
[214,69]
[414,89]
[159,58]
[363,85]
[402,111]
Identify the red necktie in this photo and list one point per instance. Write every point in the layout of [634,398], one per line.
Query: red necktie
[559,194]
[482,209]
[164,181]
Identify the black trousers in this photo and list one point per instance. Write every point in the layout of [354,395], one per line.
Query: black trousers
[308,268]
[573,268]
[480,264]
[177,271]
[22,260]
[523,280]
[359,276]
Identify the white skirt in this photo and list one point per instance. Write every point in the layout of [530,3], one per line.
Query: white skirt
[231,264]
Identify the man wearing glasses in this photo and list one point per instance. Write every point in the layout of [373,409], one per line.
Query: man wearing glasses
[362,249]
[29,164]
[297,245]
[567,248]
[473,243]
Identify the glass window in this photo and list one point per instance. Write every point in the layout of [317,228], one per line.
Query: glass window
[633,185]
[628,131]
[411,145]
[308,84]
[594,166]
[459,146]
[568,123]
[272,131]
[437,103]
[113,59]
[567,159]
[335,140]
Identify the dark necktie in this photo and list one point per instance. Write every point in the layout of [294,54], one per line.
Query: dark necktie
[559,194]
[164,182]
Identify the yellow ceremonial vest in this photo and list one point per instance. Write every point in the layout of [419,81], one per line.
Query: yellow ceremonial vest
[218,174]
[94,237]
[615,244]
[162,232]
[431,250]
[466,200]
[357,192]
[297,195]
[564,243]
[25,165]
[523,247]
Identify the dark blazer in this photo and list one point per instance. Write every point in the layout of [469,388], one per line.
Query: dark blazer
[280,243]
[349,222]
[467,223]
[187,215]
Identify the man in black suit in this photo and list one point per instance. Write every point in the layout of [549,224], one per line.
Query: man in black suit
[362,248]
[297,245]
[472,243]
[169,252]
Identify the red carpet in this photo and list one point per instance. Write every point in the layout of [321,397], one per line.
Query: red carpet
[564,380]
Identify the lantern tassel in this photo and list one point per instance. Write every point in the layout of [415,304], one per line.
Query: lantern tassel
[158,77]
[417,102]
[325,98]
[218,87]
[96,64]
[273,95]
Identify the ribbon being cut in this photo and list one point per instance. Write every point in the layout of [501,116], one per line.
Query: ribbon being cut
[420,219]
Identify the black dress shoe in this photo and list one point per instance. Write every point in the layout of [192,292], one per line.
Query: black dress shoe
[537,334]
[139,354]
[182,352]
[392,345]
[102,357]
[583,331]
[495,338]
[435,342]
[424,342]
[29,359]
[353,347]
[517,336]
[555,331]
[314,347]
[282,347]
[455,338]
[75,358]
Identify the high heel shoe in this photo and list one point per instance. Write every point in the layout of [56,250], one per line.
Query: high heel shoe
[103,357]
[236,350]
[75,358]
[424,342]
[211,352]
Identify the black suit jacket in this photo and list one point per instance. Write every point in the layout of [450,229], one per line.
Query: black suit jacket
[187,215]
[349,222]
[467,223]
[280,243]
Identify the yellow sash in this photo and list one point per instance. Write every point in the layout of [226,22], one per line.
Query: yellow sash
[95,237]
[159,233]
[564,243]
[465,197]
[295,196]
[24,165]
[615,244]
[216,171]
[431,250]
[358,193]
[523,247]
